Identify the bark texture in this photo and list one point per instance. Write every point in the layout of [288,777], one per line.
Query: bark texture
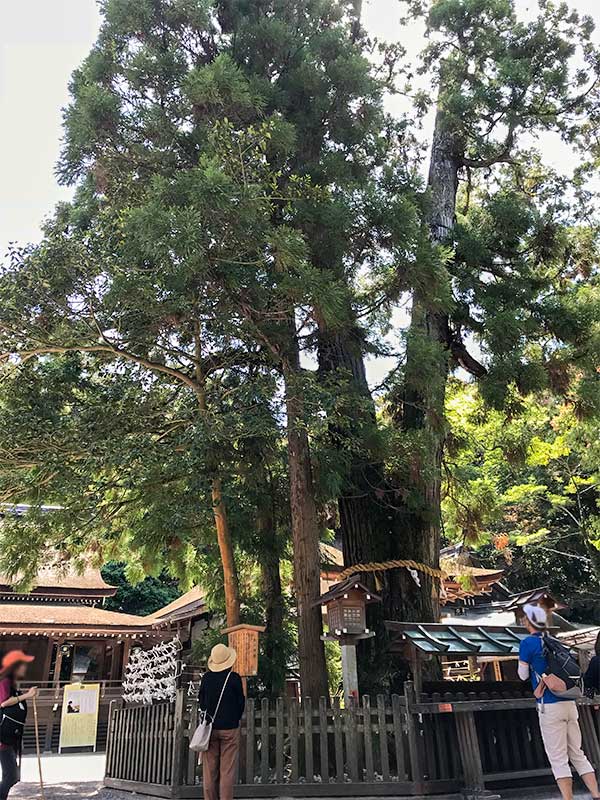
[423,410]
[273,595]
[305,536]
[230,577]
[374,522]
[360,512]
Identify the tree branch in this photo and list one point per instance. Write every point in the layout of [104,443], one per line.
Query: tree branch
[154,366]
[462,356]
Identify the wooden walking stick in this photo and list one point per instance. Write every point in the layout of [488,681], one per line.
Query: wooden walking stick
[37,748]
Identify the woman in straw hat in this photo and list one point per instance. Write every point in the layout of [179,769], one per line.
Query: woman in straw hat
[12,672]
[222,696]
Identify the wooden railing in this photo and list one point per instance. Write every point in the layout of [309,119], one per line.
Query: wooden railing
[432,745]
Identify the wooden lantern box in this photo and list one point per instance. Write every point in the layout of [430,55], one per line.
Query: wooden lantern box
[244,640]
[348,614]
[346,605]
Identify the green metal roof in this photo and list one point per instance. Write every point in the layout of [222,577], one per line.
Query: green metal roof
[459,640]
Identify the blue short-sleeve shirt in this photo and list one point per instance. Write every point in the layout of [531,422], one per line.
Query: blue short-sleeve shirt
[531,652]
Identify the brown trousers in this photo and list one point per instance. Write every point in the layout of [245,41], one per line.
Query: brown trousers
[219,764]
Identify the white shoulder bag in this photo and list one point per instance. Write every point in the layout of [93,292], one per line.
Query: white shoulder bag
[201,738]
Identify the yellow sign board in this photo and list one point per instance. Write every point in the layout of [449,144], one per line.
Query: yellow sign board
[79,719]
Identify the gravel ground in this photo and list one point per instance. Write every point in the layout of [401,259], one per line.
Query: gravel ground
[70,791]
[80,791]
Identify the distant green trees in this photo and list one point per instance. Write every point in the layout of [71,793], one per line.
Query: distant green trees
[523,487]
[141,598]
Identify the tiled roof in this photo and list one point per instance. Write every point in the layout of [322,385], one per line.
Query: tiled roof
[51,618]
[339,589]
[459,640]
[190,601]
[534,596]
[476,572]
[583,638]
[53,578]
[331,556]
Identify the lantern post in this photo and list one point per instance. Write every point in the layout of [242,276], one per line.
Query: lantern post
[346,608]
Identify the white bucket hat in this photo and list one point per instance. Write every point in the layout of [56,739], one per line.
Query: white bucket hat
[221,658]
[536,615]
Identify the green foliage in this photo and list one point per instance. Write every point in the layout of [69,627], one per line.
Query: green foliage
[541,470]
[334,668]
[142,598]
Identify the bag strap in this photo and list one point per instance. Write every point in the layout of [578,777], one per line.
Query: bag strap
[221,695]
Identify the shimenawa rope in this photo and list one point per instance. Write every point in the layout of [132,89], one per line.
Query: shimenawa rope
[382,566]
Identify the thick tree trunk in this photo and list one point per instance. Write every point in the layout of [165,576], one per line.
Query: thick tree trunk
[360,505]
[274,674]
[423,408]
[374,522]
[305,536]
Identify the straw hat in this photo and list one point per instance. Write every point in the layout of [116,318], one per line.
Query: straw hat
[221,658]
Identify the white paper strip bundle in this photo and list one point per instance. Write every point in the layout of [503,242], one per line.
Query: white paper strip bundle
[151,675]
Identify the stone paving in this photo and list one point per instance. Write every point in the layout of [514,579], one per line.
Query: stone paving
[72,776]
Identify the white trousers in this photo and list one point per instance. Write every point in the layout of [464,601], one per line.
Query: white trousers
[559,724]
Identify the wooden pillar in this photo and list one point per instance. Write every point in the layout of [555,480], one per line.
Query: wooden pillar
[48,661]
[497,671]
[126,651]
[53,715]
[46,678]
[178,739]
[57,666]
[470,756]
[416,771]
[349,673]
[115,659]
[417,671]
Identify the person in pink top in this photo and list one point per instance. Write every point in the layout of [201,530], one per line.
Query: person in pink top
[12,672]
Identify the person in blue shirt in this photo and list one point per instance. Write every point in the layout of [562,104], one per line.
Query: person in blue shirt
[559,718]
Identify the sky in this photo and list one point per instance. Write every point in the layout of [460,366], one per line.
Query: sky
[41,43]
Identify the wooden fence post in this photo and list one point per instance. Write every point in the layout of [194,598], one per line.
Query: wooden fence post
[591,745]
[50,730]
[177,762]
[192,757]
[110,745]
[416,771]
[470,757]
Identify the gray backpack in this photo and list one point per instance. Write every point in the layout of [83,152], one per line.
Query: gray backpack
[564,677]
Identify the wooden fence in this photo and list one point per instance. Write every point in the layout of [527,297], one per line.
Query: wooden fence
[438,745]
